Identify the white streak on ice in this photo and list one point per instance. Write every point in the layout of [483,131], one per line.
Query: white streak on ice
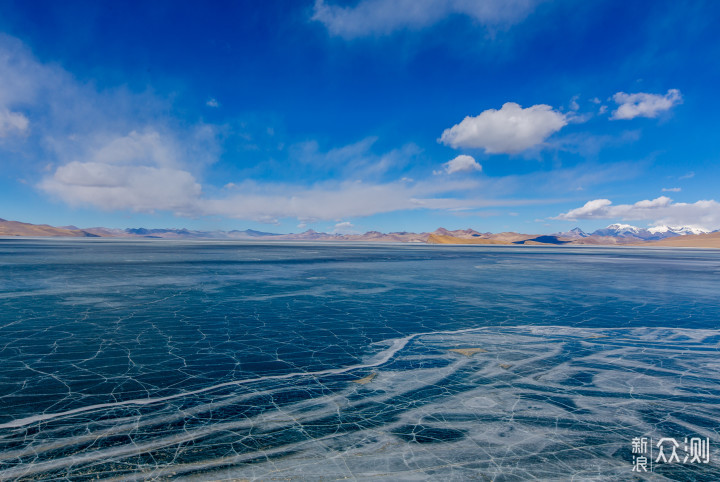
[379,359]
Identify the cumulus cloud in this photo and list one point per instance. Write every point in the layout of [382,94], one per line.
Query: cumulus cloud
[671,189]
[462,163]
[141,171]
[382,17]
[212,103]
[112,187]
[509,130]
[594,208]
[644,105]
[662,210]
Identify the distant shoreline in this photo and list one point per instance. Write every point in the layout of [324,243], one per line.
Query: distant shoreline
[681,244]
[611,236]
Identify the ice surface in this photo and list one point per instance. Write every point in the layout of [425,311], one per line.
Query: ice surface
[226,361]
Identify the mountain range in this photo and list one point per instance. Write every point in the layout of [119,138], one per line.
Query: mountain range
[614,234]
[628,231]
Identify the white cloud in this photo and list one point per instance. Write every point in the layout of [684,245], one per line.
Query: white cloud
[462,163]
[269,202]
[594,208]
[147,147]
[644,105]
[344,227]
[382,17]
[212,103]
[333,200]
[12,123]
[671,189]
[136,188]
[139,172]
[689,175]
[662,210]
[509,130]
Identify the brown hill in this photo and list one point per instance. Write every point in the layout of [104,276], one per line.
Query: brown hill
[459,233]
[16,228]
[376,236]
[709,240]
[439,236]
[512,239]
[440,239]
[508,238]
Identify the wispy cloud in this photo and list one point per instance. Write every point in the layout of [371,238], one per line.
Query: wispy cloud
[671,189]
[590,145]
[662,210]
[383,17]
[509,130]
[212,103]
[12,123]
[644,105]
[337,200]
[574,103]
[355,161]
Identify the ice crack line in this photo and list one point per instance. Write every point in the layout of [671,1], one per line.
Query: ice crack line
[379,359]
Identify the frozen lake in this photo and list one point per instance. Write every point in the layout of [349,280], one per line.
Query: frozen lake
[214,360]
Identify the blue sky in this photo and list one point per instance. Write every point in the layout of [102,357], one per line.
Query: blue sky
[523,115]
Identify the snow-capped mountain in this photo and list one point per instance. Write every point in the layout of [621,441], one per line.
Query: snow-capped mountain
[619,230]
[574,233]
[653,233]
[679,230]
